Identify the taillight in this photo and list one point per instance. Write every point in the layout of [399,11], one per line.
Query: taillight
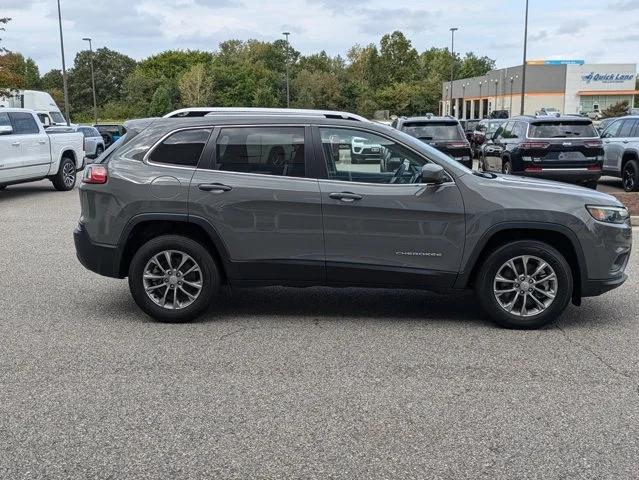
[533,145]
[594,144]
[95,174]
[595,168]
[458,145]
[534,168]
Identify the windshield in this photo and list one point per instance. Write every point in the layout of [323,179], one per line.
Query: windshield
[433,130]
[57,117]
[562,129]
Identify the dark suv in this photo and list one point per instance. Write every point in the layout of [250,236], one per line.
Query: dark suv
[443,133]
[566,148]
[181,206]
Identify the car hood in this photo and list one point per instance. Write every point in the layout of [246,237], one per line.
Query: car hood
[550,188]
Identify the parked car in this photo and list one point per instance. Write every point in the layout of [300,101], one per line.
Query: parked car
[28,153]
[499,114]
[567,149]
[111,133]
[548,112]
[604,124]
[483,133]
[189,204]
[621,146]
[443,133]
[93,141]
[469,127]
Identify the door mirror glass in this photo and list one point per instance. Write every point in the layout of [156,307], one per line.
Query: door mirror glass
[433,173]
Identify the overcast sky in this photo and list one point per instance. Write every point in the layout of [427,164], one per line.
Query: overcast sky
[593,30]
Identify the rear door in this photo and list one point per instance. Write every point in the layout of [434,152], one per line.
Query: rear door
[35,155]
[613,147]
[253,190]
[385,227]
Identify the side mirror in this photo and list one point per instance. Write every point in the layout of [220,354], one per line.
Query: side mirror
[433,173]
[6,129]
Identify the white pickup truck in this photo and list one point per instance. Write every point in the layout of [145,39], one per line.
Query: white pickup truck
[28,154]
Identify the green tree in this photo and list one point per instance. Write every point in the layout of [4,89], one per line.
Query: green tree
[617,110]
[161,102]
[398,59]
[318,89]
[52,83]
[195,86]
[473,66]
[111,68]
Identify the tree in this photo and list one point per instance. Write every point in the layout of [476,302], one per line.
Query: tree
[398,59]
[617,110]
[161,102]
[474,66]
[318,89]
[195,86]
[11,72]
[52,83]
[111,68]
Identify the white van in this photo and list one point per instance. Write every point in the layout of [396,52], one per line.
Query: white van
[40,102]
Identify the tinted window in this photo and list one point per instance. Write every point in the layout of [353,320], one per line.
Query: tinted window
[562,129]
[613,130]
[4,120]
[507,130]
[262,150]
[181,148]
[358,156]
[434,130]
[635,133]
[24,123]
[627,128]
[57,117]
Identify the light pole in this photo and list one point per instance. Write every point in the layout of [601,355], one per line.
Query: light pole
[523,72]
[464,100]
[496,84]
[512,79]
[444,103]
[95,103]
[64,68]
[288,92]
[452,64]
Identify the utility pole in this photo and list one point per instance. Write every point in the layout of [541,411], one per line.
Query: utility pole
[523,73]
[95,103]
[288,92]
[510,110]
[452,65]
[64,69]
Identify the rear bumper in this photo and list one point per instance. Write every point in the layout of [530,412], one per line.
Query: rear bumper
[568,175]
[102,259]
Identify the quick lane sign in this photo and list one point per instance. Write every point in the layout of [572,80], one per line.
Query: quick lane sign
[593,77]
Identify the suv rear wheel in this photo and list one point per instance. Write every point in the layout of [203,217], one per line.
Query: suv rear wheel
[173,278]
[524,284]
[630,176]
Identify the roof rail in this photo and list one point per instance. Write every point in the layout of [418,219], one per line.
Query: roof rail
[212,111]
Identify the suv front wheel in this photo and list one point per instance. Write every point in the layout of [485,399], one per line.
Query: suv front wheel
[524,284]
[173,278]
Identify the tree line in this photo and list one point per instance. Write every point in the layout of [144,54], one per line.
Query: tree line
[391,75]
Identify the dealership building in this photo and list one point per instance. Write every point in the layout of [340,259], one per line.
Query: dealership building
[570,86]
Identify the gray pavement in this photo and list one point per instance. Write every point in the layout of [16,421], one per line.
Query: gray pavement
[286,383]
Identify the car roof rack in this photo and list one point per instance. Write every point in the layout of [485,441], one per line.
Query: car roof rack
[214,111]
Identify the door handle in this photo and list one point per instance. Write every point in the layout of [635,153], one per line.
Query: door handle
[345,196]
[16,144]
[606,141]
[214,187]
[42,142]
[625,141]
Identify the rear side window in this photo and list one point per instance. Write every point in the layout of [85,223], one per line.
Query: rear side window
[4,120]
[23,123]
[627,128]
[434,130]
[182,148]
[561,129]
[261,150]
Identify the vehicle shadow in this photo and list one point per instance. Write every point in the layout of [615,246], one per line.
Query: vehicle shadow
[19,191]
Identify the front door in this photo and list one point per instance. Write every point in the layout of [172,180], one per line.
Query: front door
[266,214]
[381,225]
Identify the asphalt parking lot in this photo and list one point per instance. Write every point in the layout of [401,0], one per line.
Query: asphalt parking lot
[286,383]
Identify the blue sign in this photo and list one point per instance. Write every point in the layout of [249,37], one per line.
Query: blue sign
[564,62]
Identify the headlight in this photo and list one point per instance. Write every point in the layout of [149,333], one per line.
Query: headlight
[608,214]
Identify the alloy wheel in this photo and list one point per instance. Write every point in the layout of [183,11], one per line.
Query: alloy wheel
[172,279]
[68,174]
[525,286]
[628,180]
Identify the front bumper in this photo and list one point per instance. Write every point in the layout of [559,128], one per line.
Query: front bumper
[593,288]
[102,259]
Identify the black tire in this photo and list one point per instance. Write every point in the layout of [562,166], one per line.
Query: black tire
[65,179]
[591,184]
[497,258]
[99,150]
[506,167]
[108,139]
[2,187]
[210,278]
[630,176]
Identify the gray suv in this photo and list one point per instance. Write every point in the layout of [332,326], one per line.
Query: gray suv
[621,147]
[182,206]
